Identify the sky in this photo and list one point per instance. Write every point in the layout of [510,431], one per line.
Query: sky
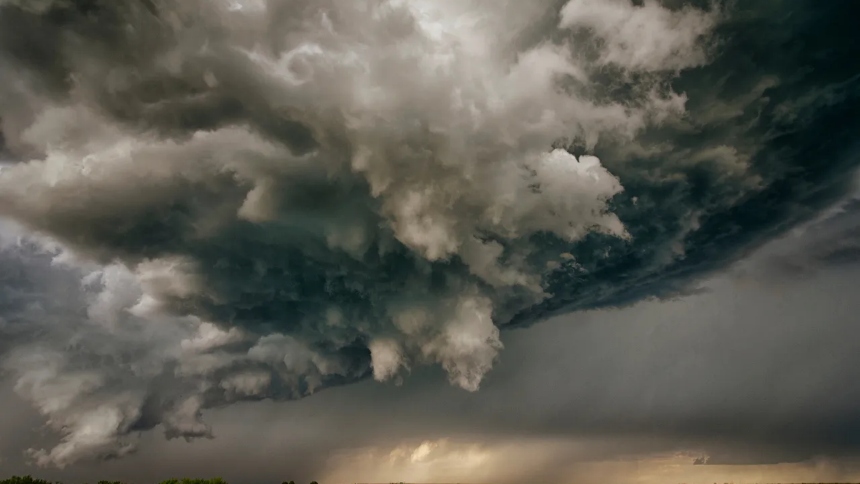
[430,241]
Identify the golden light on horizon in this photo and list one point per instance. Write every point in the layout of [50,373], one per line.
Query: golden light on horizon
[551,462]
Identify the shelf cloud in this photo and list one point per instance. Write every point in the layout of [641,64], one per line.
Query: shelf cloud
[211,202]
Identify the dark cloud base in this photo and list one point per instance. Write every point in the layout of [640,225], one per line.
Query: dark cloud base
[807,157]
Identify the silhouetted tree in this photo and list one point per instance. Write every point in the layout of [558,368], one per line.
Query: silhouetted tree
[31,480]
[25,480]
[185,480]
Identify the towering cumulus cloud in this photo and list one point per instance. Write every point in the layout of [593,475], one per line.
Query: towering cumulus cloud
[209,201]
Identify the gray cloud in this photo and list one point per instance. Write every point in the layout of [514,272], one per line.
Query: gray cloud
[261,199]
[748,373]
[830,241]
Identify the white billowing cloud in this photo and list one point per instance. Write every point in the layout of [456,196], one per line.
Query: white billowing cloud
[468,343]
[386,358]
[185,420]
[90,376]
[235,264]
[210,337]
[69,398]
[646,37]
[94,377]
[247,384]
[97,431]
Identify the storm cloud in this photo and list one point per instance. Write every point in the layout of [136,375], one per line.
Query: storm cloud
[244,200]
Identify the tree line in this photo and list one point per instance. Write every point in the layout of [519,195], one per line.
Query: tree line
[33,480]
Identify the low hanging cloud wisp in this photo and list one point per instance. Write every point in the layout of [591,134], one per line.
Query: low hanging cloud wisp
[241,200]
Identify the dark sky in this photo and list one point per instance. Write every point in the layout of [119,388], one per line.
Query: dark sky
[428,241]
[759,369]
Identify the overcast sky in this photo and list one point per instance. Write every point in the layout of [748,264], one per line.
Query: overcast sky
[427,241]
